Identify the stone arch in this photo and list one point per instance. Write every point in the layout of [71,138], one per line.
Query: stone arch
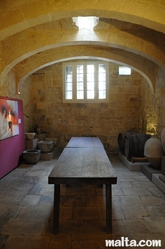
[120,40]
[145,67]
[17,17]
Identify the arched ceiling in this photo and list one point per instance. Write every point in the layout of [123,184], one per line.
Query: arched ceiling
[35,34]
[55,55]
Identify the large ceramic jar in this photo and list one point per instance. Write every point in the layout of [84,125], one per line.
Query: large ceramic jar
[163,145]
[153,151]
[163,139]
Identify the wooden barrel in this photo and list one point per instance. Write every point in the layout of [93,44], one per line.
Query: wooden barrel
[128,143]
[121,140]
[134,144]
[142,138]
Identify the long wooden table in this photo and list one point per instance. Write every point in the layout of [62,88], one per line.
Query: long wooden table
[83,166]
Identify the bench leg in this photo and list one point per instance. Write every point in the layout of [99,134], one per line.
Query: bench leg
[56,207]
[108,208]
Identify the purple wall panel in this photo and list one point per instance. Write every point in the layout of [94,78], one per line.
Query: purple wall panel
[11,148]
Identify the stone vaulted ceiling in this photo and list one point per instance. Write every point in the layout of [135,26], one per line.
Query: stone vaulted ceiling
[38,33]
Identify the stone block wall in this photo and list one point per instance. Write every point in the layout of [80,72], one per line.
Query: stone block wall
[153,106]
[9,89]
[105,120]
[28,104]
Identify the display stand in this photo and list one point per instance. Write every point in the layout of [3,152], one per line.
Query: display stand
[31,143]
[131,166]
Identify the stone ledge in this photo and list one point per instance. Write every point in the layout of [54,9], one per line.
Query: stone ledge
[50,155]
[31,144]
[131,166]
[148,171]
[157,181]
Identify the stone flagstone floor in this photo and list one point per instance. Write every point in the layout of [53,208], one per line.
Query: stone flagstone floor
[26,205]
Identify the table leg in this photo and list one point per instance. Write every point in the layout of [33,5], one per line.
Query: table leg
[108,208]
[56,207]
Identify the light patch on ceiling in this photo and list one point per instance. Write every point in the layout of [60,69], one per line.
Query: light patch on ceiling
[86,22]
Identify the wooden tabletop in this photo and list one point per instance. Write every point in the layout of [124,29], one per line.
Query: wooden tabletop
[86,165]
[84,142]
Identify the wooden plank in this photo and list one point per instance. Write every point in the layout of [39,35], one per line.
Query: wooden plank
[84,142]
[84,164]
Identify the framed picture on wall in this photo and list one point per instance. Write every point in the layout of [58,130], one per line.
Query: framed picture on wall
[8,118]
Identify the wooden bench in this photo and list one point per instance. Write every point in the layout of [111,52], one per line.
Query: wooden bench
[83,166]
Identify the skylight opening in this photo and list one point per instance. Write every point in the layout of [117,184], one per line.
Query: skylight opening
[86,22]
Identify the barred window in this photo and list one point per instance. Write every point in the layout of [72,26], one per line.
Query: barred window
[86,82]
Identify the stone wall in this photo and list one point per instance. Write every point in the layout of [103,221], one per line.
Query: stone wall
[153,106]
[132,105]
[9,89]
[28,104]
[105,120]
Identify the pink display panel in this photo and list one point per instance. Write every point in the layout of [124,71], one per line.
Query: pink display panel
[12,141]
